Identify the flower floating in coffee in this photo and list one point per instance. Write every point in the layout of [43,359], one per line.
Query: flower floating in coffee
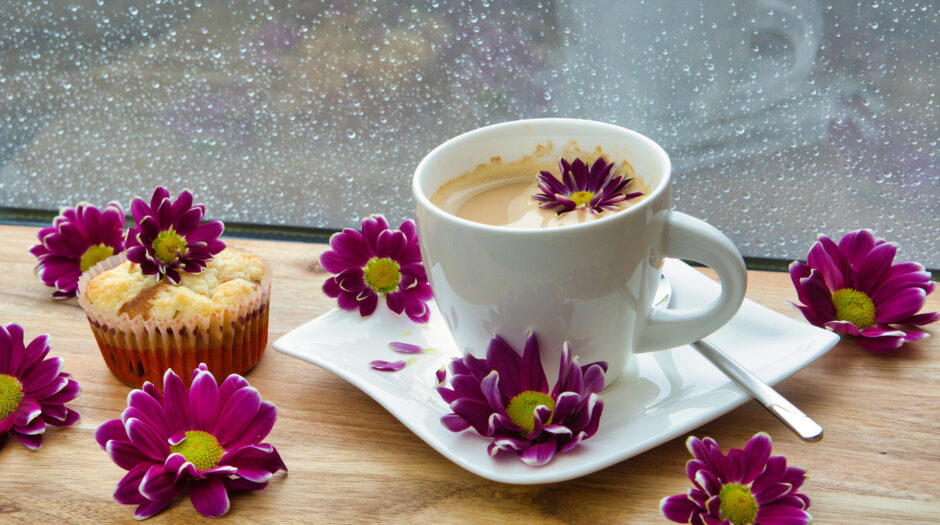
[505,397]
[594,187]
[853,287]
[170,236]
[378,262]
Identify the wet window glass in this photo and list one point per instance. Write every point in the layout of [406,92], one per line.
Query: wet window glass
[784,118]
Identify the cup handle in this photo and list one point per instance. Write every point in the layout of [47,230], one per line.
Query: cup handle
[803,30]
[684,236]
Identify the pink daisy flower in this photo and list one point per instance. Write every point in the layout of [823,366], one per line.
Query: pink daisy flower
[33,388]
[205,439]
[505,397]
[78,239]
[744,487]
[374,262]
[854,288]
[169,236]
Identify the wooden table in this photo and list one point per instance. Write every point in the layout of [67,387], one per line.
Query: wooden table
[352,462]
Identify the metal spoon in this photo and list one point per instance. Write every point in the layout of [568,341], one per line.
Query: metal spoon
[791,416]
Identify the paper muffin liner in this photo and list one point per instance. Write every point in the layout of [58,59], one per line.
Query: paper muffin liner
[228,341]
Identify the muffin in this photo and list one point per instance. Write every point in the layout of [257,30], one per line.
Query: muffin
[144,326]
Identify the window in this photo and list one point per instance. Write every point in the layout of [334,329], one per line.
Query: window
[784,118]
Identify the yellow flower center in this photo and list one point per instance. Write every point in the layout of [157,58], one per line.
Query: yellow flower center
[521,409]
[854,306]
[382,274]
[737,504]
[95,254]
[168,244]
[581,198]
[11,393]
[200,448]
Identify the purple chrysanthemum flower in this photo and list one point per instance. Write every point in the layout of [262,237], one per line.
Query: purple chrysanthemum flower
[506,397]
[78,239]
[378,261]
[594,187]
[854,288]
[168,236]
[206,438]
[746,487]
[33,389]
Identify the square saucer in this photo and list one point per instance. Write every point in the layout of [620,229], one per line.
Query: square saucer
[669,393]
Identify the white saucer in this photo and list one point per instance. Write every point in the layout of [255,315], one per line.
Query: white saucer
[676,390]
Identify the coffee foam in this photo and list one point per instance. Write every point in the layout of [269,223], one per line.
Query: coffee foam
[500,193]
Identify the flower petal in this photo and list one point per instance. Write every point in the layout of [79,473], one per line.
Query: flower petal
[677,508]
[176,402]
[209,497]
[531,374]
[127,491]
[539,454]
[880,345]
[110,430]
[856,245]
[158,483]
[476,413]
[490,388]
[454,423]
[368,303]
[388,366]
[502,358]
[125,455]
[239,411]
[148,508]
[758,450]
[255,463]
[875,266]
[842,327]
[146,439]
[28,410]
[783,515]
[204,401]
[820,260]
[405,348]
[32,442]
[900,305]
[42,373]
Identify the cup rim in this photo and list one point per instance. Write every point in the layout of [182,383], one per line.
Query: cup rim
[424,201]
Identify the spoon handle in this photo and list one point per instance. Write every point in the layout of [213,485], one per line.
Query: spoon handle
[787,412]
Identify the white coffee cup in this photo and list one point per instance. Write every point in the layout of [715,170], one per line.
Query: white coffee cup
[590,284]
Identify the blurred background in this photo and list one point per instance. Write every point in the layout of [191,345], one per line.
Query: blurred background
[784,118]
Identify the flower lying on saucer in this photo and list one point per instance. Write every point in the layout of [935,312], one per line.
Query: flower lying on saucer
[169,236]
[744,487]
[33,388]
[505,397]
[854,288]
[594,187]
[378,261]
[78,239]
[206,439]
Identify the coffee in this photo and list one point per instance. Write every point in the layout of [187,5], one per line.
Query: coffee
[501,194]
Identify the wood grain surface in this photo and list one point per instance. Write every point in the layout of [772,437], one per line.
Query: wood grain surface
[352,462]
